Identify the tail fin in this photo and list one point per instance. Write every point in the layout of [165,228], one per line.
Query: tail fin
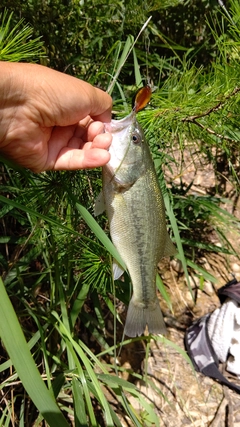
[138,317]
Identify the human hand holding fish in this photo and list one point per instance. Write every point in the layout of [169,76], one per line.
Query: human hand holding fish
[50,120]
[134,204]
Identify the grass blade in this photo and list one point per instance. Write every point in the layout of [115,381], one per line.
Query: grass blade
[138,77]
[129,45]
[17,348]
[100,234]
[180,255]
[80,416]
[73,345]
[163,292]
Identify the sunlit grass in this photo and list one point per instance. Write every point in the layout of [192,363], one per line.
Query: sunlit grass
[17,44]
[56,259]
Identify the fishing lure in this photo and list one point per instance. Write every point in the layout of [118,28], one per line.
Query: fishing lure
[142,98]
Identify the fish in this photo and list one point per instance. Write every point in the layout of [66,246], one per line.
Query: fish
[135,209]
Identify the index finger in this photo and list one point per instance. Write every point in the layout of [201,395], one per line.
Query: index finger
[78,99]
[62,100]
[101,106]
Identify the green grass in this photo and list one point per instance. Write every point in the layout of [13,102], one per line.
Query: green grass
[16,43]
[60,329]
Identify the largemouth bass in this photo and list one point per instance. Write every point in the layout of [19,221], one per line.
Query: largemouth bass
[136,214]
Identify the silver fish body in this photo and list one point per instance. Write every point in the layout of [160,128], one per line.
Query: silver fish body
[136,214]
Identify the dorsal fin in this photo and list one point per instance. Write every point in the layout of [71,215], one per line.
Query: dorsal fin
[169,248]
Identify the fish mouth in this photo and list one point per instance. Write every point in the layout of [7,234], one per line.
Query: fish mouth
[118,125]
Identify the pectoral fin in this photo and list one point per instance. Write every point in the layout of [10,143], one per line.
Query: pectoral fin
[99,207]
[117,270]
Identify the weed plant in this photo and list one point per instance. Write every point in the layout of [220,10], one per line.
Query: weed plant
[60,329]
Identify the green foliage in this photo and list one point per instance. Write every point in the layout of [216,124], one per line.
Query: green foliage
[79,35]
[11,333]
[54,267]
[55,259]
[16,43]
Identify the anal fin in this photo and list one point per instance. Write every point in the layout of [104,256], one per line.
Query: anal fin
[99,206]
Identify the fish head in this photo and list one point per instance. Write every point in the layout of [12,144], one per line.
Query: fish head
[127,150]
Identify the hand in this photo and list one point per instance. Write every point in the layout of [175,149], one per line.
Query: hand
[49,120]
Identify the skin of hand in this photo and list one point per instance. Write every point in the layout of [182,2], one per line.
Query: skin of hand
[50,120]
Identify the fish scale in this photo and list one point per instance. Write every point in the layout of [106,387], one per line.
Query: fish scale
[136,214]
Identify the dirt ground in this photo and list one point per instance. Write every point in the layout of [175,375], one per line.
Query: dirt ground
[189,398]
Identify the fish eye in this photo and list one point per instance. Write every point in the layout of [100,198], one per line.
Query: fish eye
[136,138]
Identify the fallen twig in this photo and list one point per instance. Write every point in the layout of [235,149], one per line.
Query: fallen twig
[220,413]
[229,415]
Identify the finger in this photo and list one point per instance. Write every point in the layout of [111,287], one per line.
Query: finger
[72,159]
[103,140]
[78,101]
[57,99]
[88,129]
[100,103]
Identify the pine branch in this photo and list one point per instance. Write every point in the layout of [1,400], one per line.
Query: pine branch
[218,106]
[211,131]
[212,109]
